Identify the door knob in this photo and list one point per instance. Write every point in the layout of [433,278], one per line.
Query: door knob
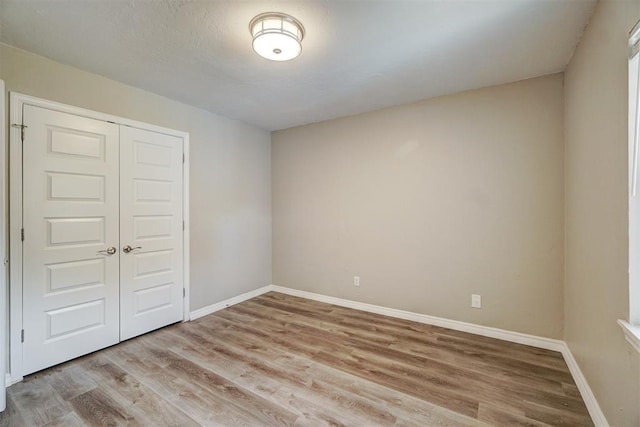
[128,249]
[109,251]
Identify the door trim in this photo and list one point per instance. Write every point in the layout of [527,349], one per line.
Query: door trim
[16,103]
[3,250]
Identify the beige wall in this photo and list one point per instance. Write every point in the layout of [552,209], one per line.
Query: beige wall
[596,283]
[429,203]
[230,170]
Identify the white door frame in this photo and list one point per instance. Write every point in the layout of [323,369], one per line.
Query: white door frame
[16,102]
[3,253]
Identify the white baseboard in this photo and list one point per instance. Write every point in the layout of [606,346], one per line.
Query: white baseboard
[599,420]
[229,302]
[486,331]
[9,380]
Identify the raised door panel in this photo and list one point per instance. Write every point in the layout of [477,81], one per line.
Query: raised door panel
[151,222]
[72,275]
[75,188]
[71,214]
[75,231]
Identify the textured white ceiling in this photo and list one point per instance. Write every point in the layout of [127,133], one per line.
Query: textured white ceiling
[357,55]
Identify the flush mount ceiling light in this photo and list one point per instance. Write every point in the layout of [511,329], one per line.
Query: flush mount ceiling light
[276,36]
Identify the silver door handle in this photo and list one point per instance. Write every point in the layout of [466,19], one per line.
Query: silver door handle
[128,249]
[109,251]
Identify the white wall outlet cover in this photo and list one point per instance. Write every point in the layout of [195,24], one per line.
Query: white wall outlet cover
[476,301]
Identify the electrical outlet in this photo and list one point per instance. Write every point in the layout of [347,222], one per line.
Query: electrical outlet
[356,280]
[476,301]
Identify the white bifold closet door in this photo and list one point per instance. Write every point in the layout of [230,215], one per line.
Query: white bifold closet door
[151,225]
[70,216]
[91,189]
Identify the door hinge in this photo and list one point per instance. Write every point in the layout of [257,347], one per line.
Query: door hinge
[22,335]
[22,234]
[183,157]
[22,128]
[184,293]
[182,225]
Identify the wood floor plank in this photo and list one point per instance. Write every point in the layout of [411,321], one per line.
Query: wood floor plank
[295,379]
[404,407]
[262,378]
[440,357]
[284,360]
[571,390]
[341,358]
[97,408]
[11,416]
[134,396]
[69,420]
[38,403]
[554,402]
[261,373]
[556,416]
[70,382]
[265,412]
[497,416]
[428,333]
[452,379]
[203,406]
[423,331]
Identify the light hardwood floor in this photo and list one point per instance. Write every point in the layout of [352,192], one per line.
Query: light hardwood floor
[282,360]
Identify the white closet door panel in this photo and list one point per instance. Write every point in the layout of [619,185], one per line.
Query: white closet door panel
[71,213]
[151,219]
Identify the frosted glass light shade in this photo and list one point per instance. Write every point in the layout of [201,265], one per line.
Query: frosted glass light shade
[276,36]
